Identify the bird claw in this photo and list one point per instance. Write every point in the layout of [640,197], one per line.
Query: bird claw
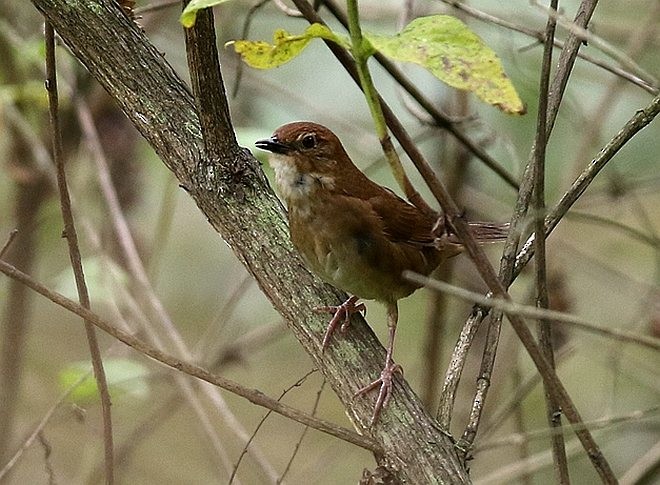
[341,312]
[385,392]
[443,227]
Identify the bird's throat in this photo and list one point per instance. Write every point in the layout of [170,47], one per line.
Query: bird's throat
[294,184]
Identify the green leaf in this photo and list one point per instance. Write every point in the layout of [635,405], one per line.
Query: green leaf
[189,14]
[262,55]
[104,280]
[454,54]
[124,377]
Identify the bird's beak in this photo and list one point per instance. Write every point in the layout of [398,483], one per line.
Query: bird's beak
[272,145]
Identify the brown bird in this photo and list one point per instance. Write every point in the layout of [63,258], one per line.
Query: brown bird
[356,234]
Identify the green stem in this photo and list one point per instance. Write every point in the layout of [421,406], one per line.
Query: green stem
[362,50]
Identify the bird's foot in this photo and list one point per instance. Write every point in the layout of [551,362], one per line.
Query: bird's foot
[342,314]
[443,227]
[385,383]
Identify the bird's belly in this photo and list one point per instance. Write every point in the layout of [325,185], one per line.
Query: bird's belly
[356,262]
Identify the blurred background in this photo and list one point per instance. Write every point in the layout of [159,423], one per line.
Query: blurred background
[603,259]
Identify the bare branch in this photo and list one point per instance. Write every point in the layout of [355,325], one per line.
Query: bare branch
[74,251]
[252,395]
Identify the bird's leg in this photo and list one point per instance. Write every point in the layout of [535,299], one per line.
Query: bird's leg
[342,313]
[387,374]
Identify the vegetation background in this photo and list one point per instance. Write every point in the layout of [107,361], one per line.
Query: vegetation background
[604,258]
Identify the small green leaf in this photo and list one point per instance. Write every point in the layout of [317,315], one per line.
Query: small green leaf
[262,55]
[189,14]
[454,54]
[124,377]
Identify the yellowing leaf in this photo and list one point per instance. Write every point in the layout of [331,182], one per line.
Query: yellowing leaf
[189,14]
[455,55]
[262,55]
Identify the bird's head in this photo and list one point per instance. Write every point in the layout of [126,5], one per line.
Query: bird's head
[306,157]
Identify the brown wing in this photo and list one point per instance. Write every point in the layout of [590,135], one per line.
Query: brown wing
[402,222]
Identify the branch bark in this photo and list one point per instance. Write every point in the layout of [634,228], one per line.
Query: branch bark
[232,192]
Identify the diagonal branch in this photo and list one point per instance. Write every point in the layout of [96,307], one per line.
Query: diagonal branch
[233,193]
[254,396]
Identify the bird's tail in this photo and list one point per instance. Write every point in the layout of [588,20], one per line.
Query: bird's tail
[485,232]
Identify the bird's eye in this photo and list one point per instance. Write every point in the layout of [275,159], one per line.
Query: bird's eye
[308,141]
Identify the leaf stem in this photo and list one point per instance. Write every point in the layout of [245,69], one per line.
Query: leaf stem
[362,50]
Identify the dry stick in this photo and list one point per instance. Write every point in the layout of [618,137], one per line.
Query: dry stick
[138,274]
[553,410]
[74,251]
[593,40]
[507,306]
[488,18]
[12,235]
[298,383]
[440,119]
[639,38]
[303,434]
[605,423]
[640,120]
[29,441]
[252,395]
[498,416]
[452,378]
[436,332]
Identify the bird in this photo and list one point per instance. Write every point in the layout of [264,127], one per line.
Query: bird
[356,234]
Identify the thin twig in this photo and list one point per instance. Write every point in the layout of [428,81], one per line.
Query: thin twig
[592,39]
[302,435]
[252,395]
[516,438]
[639,121]
[639,38]
[510,307]
[507,272]
[497,286]
[45,419]
[12,235]
[539,36]
[498,417]
[298,383]
[74,251]
[553,410]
